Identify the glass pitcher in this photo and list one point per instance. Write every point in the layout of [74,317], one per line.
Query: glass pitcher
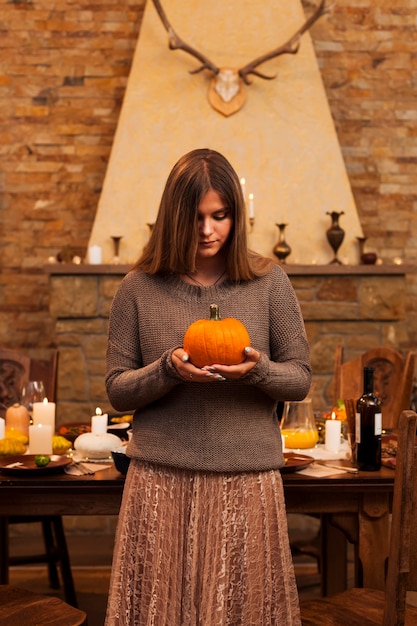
[298,426]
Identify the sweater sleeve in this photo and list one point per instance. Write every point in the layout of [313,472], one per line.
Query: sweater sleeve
[130,384]
[286,373]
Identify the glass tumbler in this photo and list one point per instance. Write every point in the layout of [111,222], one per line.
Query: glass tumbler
[298,426]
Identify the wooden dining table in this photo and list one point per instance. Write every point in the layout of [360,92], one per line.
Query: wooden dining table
[352,507]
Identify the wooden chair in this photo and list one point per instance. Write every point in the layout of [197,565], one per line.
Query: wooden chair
[47,371]
[19,607]
[15,370]
[393,379]
[370,607]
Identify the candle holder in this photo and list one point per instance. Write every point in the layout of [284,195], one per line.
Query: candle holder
[366,258]
[116,245]
[361,242]
[251,224]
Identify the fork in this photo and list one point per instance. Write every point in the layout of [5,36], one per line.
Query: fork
[85,471]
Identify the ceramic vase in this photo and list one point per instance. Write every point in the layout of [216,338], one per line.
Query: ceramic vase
[282,249]
[335,234]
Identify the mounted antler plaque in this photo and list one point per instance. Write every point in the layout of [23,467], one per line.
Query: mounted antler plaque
[227,88]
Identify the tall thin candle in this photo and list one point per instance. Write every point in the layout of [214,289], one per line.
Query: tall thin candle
[243,185]
[251,206]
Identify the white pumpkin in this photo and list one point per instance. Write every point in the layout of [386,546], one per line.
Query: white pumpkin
[96,445]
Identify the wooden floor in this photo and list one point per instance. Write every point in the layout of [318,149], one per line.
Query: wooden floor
[91,564]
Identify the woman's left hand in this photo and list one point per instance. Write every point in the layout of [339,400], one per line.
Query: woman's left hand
[234,372]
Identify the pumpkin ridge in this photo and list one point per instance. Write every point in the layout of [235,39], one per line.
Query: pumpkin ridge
[228,350]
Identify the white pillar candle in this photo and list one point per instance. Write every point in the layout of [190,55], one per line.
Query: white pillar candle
[99,423]
[44,413]
[332,435]
[2,428]
[95,255]
[40,439]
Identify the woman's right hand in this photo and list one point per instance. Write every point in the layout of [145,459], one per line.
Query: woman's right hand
[190,372]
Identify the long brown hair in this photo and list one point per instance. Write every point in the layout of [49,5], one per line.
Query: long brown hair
[172,246]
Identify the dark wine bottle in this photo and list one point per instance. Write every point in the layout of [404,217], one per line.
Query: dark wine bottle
[368,425]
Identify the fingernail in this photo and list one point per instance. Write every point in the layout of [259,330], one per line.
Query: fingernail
[185,357]
[247,349]
[218,377]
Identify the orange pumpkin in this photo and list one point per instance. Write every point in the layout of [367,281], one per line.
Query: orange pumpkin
[216,340]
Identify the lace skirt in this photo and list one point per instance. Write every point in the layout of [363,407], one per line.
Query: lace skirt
[202,549]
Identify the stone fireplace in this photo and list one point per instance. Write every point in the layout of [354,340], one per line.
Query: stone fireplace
[356,306]
[282,141]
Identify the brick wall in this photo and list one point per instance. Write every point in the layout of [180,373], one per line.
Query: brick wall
[63,71]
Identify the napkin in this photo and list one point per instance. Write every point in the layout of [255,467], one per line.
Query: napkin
[73,470]
[92,465]
[319,471]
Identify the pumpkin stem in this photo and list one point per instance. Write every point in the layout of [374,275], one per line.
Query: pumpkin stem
[214,313]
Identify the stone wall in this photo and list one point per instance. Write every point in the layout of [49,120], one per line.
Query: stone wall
[358,307]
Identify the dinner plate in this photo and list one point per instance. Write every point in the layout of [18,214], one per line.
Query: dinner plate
[24,464]
[120,429]
[295,462]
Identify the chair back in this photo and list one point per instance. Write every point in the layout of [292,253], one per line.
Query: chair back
[402,560]
[17,368]
[393,379]
[14,372]
[47,371]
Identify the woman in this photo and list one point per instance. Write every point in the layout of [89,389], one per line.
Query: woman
[202,536]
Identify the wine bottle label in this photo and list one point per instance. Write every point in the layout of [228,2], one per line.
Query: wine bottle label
[378,424]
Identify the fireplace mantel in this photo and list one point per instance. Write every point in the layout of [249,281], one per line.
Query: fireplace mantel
[292,270]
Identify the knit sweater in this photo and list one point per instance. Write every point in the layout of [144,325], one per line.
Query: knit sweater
[223,426]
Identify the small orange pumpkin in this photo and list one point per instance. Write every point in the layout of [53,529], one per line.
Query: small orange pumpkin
[216,340]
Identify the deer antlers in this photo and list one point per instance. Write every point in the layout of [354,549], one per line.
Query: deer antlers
[226,93]
[289,47]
